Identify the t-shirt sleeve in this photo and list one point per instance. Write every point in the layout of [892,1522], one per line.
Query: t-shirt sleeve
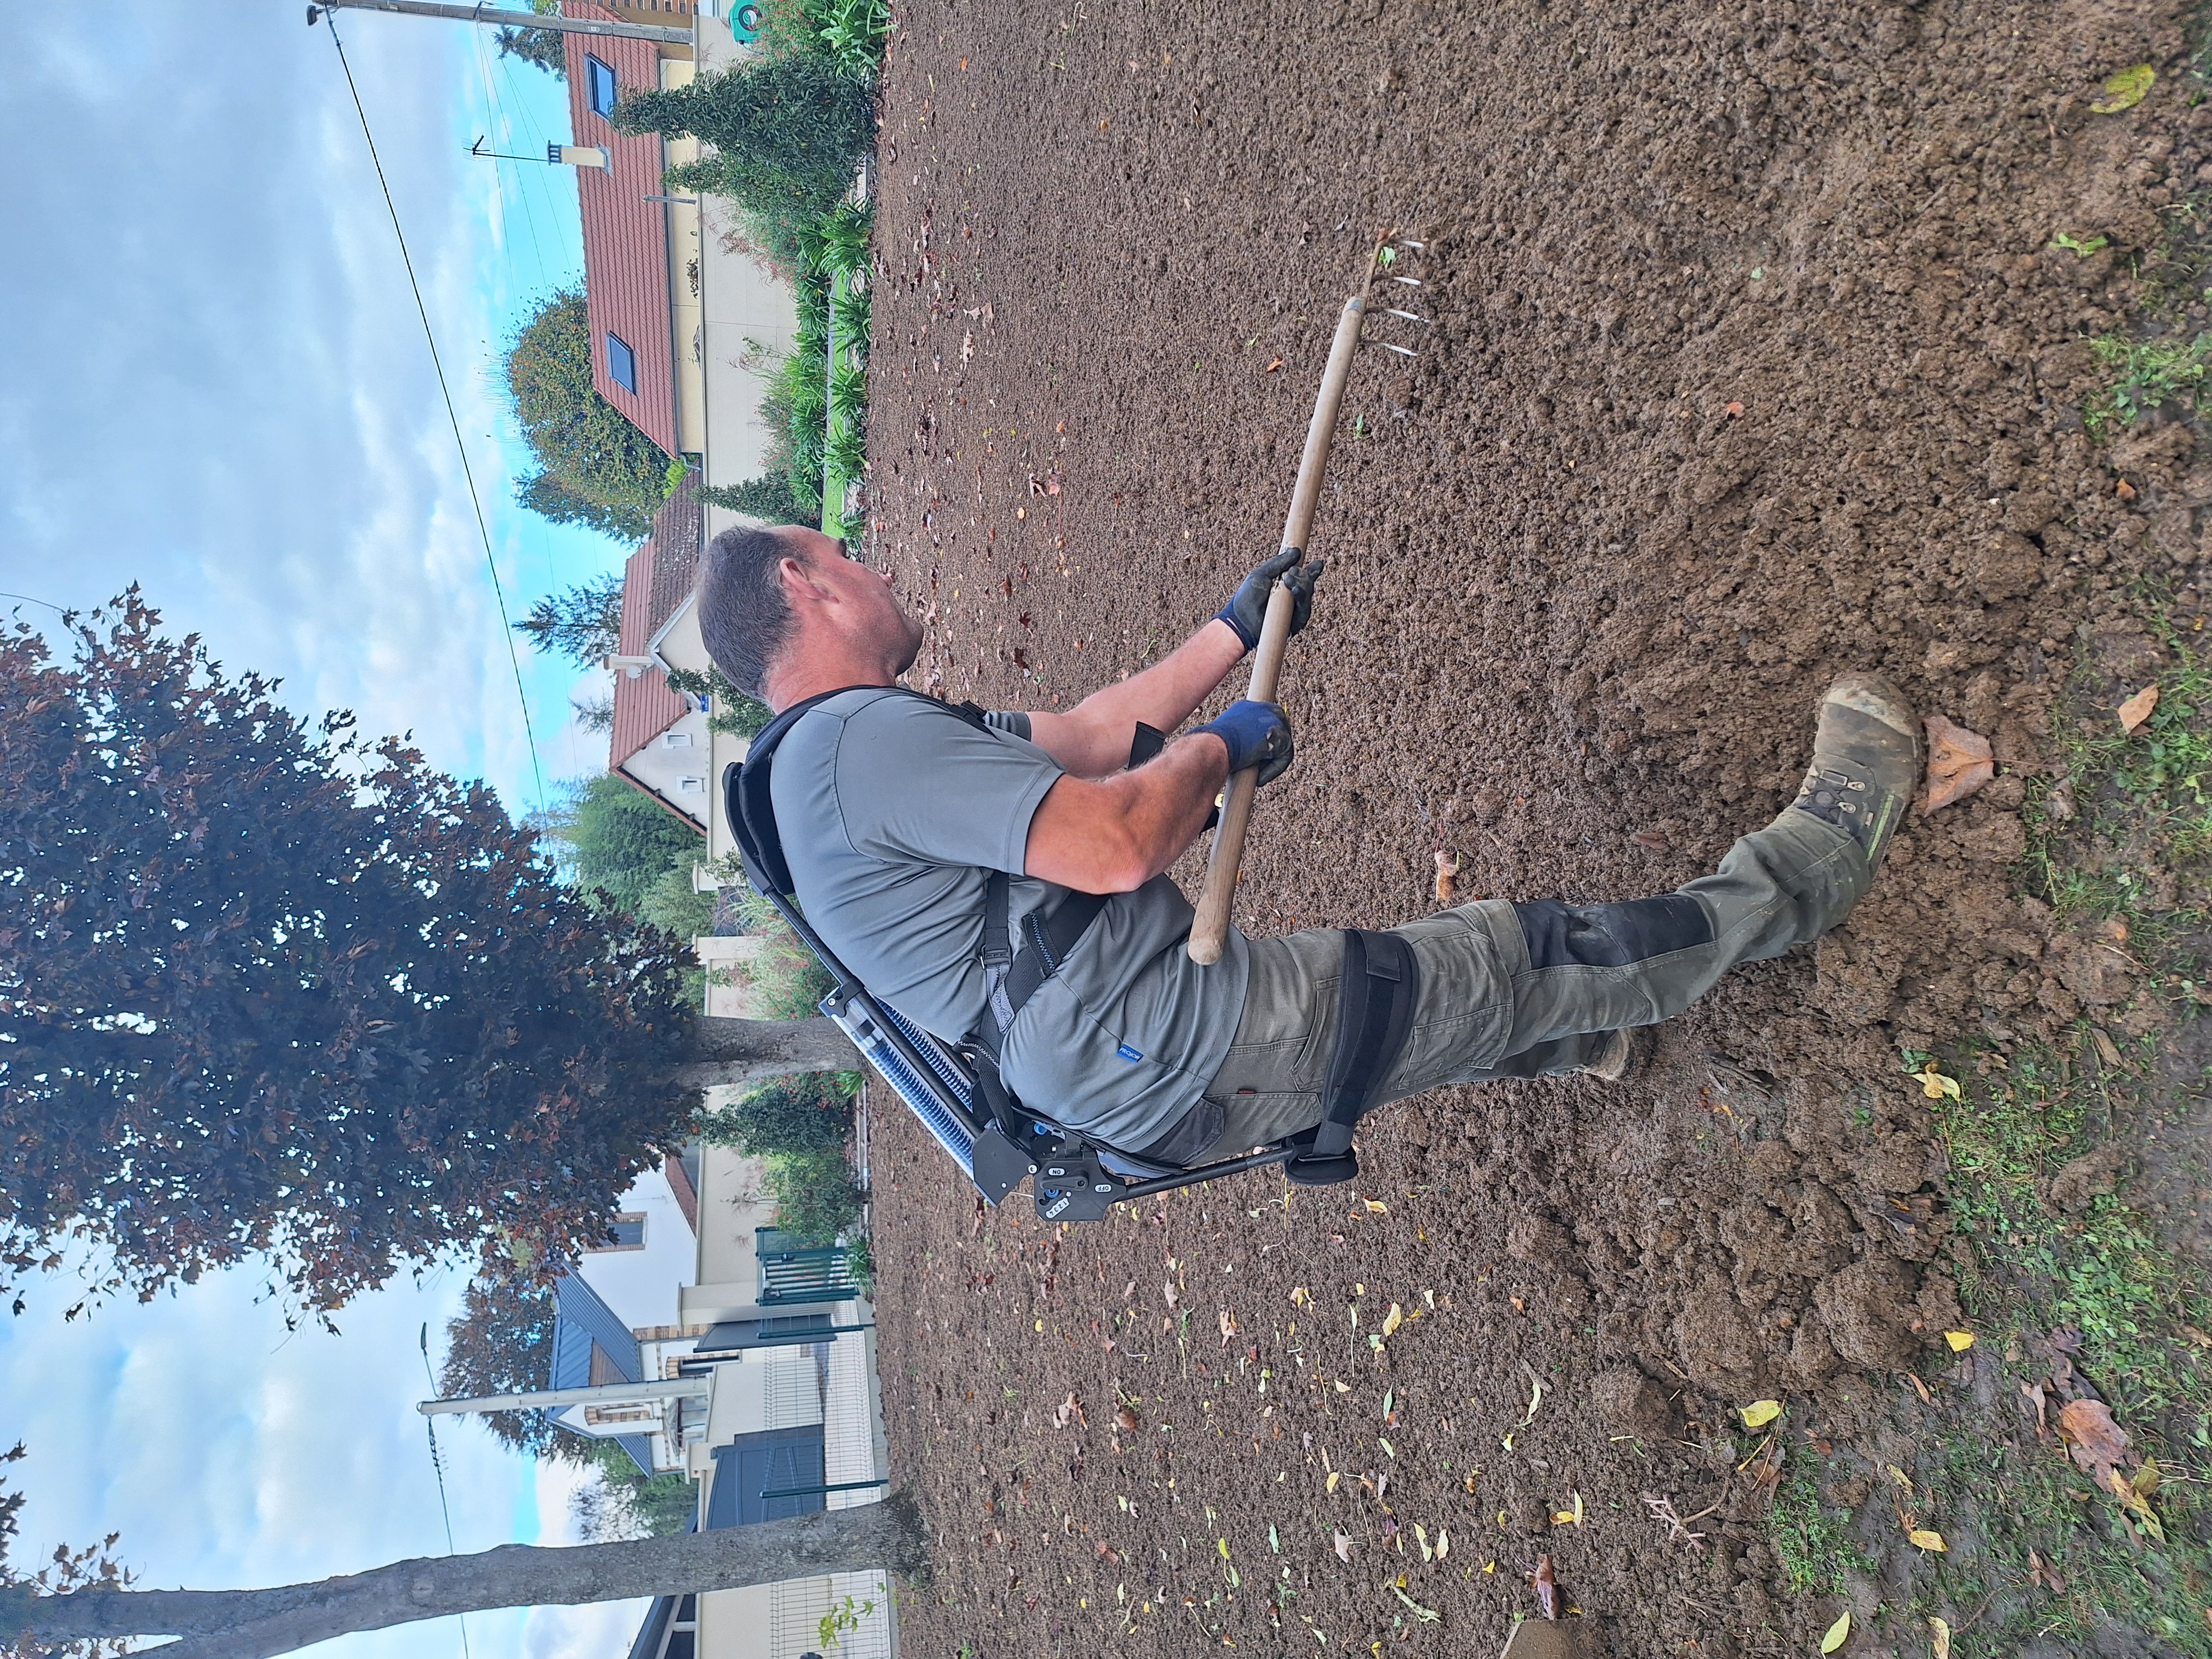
[916,783]
[1013,720]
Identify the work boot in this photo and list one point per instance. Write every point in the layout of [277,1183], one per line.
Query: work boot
[1866,762]
[1624,1055]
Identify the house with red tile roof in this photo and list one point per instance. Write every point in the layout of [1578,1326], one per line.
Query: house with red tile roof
[641,250]
[660,741]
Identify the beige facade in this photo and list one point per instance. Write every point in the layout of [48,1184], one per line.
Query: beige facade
[685,282]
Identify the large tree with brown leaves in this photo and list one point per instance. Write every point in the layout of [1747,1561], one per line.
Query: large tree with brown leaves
[270,988]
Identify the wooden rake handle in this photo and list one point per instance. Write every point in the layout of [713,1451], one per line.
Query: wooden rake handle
[1209,932]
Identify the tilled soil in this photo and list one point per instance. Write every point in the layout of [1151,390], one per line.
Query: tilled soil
[1751,361]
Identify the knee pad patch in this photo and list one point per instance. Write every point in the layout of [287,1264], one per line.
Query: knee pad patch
[1611,935]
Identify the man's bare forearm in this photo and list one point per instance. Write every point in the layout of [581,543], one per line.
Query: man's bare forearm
[1115,835]
[1091,740]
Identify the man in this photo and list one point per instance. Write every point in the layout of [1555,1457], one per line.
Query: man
[902,821]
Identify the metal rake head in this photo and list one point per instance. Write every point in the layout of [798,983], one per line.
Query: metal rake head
[1390,254]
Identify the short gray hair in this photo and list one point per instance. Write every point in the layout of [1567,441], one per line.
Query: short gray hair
[743,616]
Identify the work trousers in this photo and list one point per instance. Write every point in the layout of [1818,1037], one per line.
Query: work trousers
[1528,990]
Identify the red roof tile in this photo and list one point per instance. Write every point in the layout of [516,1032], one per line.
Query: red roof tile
[625,236]
[656,581]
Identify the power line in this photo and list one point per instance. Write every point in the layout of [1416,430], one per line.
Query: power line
[438,1466]
[468,473]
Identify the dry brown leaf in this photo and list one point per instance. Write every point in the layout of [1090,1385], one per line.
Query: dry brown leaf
[2125,490]
[2038,1395]
[1959,762]
[1127,1419]
[1545,1584]
[2096,1441]
[1654,839]
[1228,1327]
[1733,410]
[1447,874]
[1920,1388]
[1272,367]
[2138,709]
[1174,1295]
[1070,1409]
[2040,1572]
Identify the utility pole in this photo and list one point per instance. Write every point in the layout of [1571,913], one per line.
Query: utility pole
[605,1393]
[520,20]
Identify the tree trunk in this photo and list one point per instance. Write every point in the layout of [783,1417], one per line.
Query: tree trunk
[747,1051]
[260,1623]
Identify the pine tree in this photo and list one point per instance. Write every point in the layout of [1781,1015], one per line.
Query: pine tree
[583,624]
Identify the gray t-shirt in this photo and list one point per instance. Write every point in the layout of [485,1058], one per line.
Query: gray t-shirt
[893,812]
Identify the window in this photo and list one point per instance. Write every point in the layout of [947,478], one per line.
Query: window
[625,1232]
[675,740]
[599,85]
[622,362]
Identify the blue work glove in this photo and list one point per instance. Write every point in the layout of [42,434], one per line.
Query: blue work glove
[1249,609]
[1257,735]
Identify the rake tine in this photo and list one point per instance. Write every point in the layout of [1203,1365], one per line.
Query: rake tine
[1403,351]
[1392,311]
[1410,281]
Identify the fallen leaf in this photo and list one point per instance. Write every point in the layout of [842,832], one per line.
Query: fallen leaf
[1174,1296]
[1839,1633]
[1655,839]
[1127,1419]
[1272,367]
[1545,1584]
[2138,709]
[1759,1412]
[1228,1327]
[968,346]
[1536,1397]
[2040,1572]
[1299,1297]
[1443,1543]
[1446,875]
[1920,1388]
[1935,1085]
[1733,410]
[1069,1408]
[2125,490]
[2039,1396]
[1927,1538]
[1959,1340]
[1376,1206]
[1421,1615]
[2136,1497]
[1940,1630]
[1392,1320]
[1959,762]
[1335,1476]
[2126,89]
[2096,1440]
[1343,1542]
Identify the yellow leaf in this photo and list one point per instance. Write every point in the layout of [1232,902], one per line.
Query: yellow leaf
[1759,1412]
[2147,1477]
[1838,1633]
[1935,1085]
[1490,1567]
[1562,1518]
[1298,1295]
[1942,1631]
[1902,1478]
[1334,1478]
[1926,1539]
[1392,1320]
[1222,1543]
[2125,90]
[2138,709]
[1959,1340]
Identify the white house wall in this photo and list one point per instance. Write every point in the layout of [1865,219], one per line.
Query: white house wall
[644,1286]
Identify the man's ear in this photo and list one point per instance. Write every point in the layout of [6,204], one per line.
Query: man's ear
[798,580]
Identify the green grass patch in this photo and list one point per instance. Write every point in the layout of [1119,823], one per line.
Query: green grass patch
[1811,1541]
[2141,375]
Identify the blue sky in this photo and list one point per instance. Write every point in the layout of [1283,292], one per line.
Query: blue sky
[218,388]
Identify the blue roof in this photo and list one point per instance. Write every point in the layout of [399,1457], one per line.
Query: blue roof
[582,1321]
